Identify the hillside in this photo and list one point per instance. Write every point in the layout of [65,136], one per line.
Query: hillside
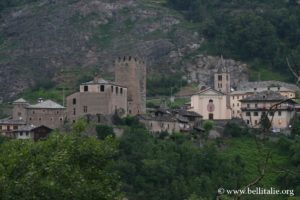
[47,43]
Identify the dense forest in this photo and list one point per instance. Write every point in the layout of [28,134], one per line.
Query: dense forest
[261,32]
[141,166]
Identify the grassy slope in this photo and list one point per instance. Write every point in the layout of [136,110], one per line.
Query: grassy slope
[246,147]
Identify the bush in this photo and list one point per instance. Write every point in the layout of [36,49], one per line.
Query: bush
[233,129]
[103,131]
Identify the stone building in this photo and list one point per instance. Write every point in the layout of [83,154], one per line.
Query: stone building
[97,97]
[254,106]
[47,113]
[31,132]
[131,72]
[236,96]
[158,124]
[8,126]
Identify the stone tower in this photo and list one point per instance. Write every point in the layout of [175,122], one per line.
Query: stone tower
[131,72]
[19,109]
[222,78]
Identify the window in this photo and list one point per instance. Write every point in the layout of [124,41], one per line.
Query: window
[227,77]
[232,105]
[256,105]
[238,97]
[15,127]
[255,113]
[248,114]
[238,104]
[233,112]
[102,88]
[255,122]
[279,113]
[112,89]
[248,105]
[74,111]
[19,114]
[74,101]
[33,112]
[220,77]
[121,90]
[85,109]
[211,101]
[233,97]
[27,134]
[21,133]
[117,90]
[248,122]
[40,119]
[86,88]
[30,119]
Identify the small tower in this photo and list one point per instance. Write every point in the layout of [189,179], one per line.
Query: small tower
[222,78]
[19,109]
[131,72]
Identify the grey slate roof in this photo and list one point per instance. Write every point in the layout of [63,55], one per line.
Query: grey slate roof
[48,104]
[27,127]
[261,89]
[12,121]
[164,118]
[21,100]
[265,96]
[265,84]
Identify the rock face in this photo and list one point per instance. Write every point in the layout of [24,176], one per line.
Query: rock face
[40,39]
[201,70]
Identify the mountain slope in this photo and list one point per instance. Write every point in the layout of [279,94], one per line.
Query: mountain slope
[40,39]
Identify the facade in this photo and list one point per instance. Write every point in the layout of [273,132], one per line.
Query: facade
[97,97]
[254,106]
[8,126]
[236,96]
[158,124]
[47,113]
[211,104]
[31,132]
[131,72]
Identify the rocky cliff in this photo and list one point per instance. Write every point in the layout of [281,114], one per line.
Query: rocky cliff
[38,40]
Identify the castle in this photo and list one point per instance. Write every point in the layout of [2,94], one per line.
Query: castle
[125,96]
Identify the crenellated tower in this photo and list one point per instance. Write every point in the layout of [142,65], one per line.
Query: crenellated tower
[131,72]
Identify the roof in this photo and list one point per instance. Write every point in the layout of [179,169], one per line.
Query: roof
[266,84]
[221,66]
[27,127]
[12,121]
[98,80]
[265,96]
[48,104]
[164,118]
[188,113]
[261,89]
[21,100]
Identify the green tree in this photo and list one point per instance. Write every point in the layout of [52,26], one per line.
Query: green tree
[63,167]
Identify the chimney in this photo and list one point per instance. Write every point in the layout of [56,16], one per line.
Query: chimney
[40,100]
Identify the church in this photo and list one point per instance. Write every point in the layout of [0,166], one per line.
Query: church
[214,103]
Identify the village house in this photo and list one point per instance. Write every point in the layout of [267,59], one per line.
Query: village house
[254,106]
[158,124]
[97,97]
[170,120]
[236,96]
[8,126]
[31,132]
[47,113]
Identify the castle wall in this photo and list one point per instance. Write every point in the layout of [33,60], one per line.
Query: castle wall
[107,102]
